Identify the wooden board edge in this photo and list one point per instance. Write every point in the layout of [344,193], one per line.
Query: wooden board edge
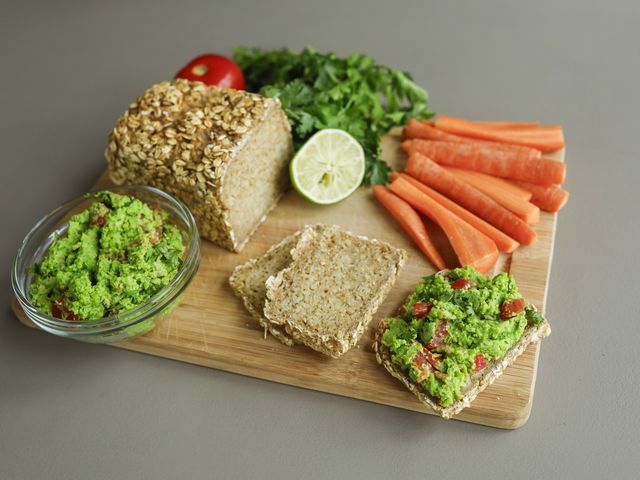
[505,423]
[519,261]
[466,415]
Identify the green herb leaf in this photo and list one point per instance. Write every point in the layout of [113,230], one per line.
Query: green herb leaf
[320,90]
[533,316]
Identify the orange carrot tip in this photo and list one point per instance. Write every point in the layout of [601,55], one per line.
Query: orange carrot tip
[471,246]
[469,197]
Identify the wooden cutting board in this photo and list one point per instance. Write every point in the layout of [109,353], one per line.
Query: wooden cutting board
[211,328]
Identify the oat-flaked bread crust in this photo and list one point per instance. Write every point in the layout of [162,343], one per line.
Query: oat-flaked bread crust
[333,344]
[240,287]
[477,383]
[181,136]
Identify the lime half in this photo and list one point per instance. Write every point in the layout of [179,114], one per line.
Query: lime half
[329,167]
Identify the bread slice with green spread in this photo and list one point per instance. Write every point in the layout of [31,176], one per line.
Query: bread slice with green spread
[334,284]
[457,332]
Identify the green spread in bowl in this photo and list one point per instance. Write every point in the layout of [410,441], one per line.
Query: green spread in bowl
[115,255]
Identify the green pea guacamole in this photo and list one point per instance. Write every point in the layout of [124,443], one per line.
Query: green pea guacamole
[453,326]
[116,255]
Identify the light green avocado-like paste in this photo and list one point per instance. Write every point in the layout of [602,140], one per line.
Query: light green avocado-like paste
[463,330]
[116,255]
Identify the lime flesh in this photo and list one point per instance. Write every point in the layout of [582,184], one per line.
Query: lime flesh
[329,167]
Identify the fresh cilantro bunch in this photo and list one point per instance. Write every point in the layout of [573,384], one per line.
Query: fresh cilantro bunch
[320,90]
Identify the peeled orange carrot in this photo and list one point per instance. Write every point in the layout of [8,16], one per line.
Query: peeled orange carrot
[502,184]
[431,174]
[411,222]
[522,208]
[415,129]
[511,165]
[502,241]
[550,199]
[546,139]
[505,185]
[471,246]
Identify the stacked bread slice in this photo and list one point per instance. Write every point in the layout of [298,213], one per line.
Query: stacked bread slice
[319,287]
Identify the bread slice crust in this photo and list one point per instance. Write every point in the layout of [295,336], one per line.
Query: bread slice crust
[477,382]
[249,290]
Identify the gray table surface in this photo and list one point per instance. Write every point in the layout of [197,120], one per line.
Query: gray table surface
[69,410]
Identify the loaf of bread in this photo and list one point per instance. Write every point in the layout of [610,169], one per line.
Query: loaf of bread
[223,152]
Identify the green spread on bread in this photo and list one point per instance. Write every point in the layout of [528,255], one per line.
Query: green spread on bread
[453,326]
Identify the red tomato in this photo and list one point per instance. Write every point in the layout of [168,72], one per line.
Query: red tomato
[481,362]
[213,70]
[421,309]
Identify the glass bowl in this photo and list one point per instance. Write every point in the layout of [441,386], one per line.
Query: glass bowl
[125,325]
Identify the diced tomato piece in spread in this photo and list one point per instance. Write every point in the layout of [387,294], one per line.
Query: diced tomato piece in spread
[422,309]
[511,308]
[60,310]
[425,356]
[435,342]
[462,283]
[439,334]
[420,358]
[481,362]
[441,329]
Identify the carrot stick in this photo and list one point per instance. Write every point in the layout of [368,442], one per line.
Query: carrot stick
[502,184]
[546,139]
[522,208]
[503,242]
[416,129]
[511,165]
[550,199]
[433,175]
[471,246]
[506,185]
[410,222]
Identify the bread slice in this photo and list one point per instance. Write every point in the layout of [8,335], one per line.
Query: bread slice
[477,382]
[335,283]
[248,282]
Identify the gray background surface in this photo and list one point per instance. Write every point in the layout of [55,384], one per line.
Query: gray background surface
[69,410]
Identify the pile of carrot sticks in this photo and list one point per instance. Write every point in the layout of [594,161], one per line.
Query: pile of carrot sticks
[482,183]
